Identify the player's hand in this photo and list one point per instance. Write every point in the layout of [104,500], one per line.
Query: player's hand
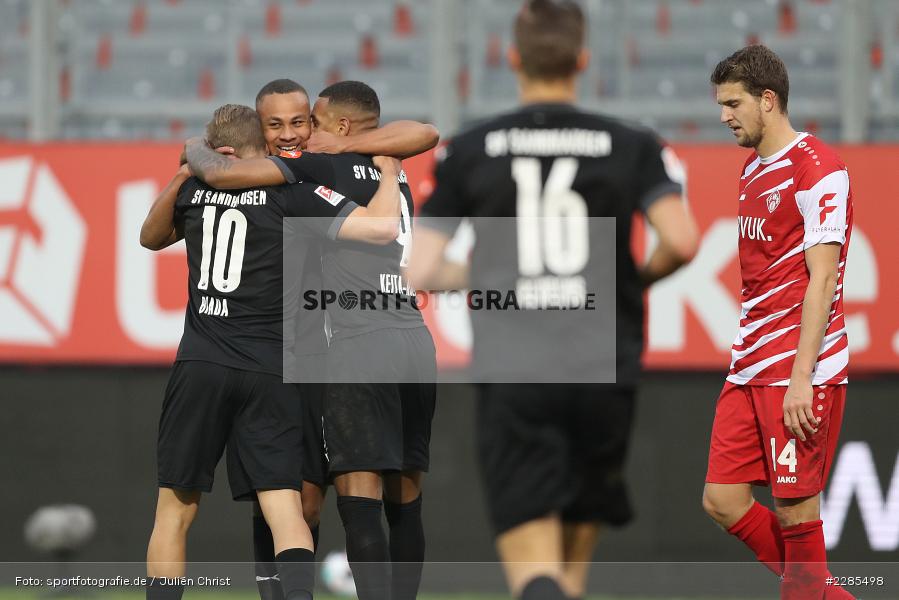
[326,143]
[798,414]
[184,170]
[388,164]
[226,150]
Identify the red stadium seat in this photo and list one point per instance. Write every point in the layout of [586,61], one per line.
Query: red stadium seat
[273,20]
[368,52]
[104,52]
[176,129]
[206,84]
[663,18]
[494,50]
[812,127]
[689,128]
[463,83]
[244,52]
[633,53]
[786,18]
[876,55]
[138,23]
[65,84]
[403,25]
[752,39]
[334,75]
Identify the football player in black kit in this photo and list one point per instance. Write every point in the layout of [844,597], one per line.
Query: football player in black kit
[552,454]
[285,111]
[379,403]
[226,385]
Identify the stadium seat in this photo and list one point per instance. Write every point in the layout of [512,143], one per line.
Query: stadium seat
[368,52]
[403,24]
[138,23]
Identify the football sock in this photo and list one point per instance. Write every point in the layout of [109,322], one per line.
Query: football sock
[366,546]
[407,547]
[543,588]
[296,569]
[805,562]
[156,590]
[264,556]
[314,531]
[760,530]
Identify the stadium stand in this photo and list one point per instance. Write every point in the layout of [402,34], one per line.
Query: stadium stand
[156,68]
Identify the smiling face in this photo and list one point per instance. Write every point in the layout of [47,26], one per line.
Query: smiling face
[285,121]
[742,113]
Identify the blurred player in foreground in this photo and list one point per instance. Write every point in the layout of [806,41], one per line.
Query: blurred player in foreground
[779,414]
[226,385]
[552,455]
[284,110]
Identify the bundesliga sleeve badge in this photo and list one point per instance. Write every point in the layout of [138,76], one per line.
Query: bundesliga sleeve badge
[332,197]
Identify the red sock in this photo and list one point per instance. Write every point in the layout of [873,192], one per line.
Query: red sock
[805,562]
[760,530]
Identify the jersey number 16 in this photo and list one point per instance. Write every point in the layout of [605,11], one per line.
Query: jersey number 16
[553,230]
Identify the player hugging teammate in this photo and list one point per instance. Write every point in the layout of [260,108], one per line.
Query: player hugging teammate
[226,387]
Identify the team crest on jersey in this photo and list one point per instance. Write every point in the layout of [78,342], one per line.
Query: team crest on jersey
[330,195]
[773,201]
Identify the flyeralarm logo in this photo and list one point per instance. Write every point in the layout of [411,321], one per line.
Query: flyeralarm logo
[42,243]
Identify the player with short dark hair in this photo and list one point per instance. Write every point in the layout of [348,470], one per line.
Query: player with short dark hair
[392,401]
[226,385]
[280,86]
[400,455]
[779,415]
[353,98]
[552,454]
[284,109]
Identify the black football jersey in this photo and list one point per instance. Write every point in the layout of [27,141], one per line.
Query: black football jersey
[241,312]
[366,279]
[542,160]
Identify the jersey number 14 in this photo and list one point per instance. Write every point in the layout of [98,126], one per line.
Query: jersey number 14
[553,230]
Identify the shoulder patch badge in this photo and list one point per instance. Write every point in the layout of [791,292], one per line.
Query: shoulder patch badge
[332,197]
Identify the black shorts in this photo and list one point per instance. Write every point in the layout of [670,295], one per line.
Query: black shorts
[208,406]
[315,464]
[555,448]
[383,426]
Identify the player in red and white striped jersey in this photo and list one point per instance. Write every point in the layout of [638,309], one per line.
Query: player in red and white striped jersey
[790,202]
[779,415]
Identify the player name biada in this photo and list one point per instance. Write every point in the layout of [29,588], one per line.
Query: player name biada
[216,307]
[192,581]
[248,198]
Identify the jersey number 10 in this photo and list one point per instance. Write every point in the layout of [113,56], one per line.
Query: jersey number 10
[232,221]
[553,230]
